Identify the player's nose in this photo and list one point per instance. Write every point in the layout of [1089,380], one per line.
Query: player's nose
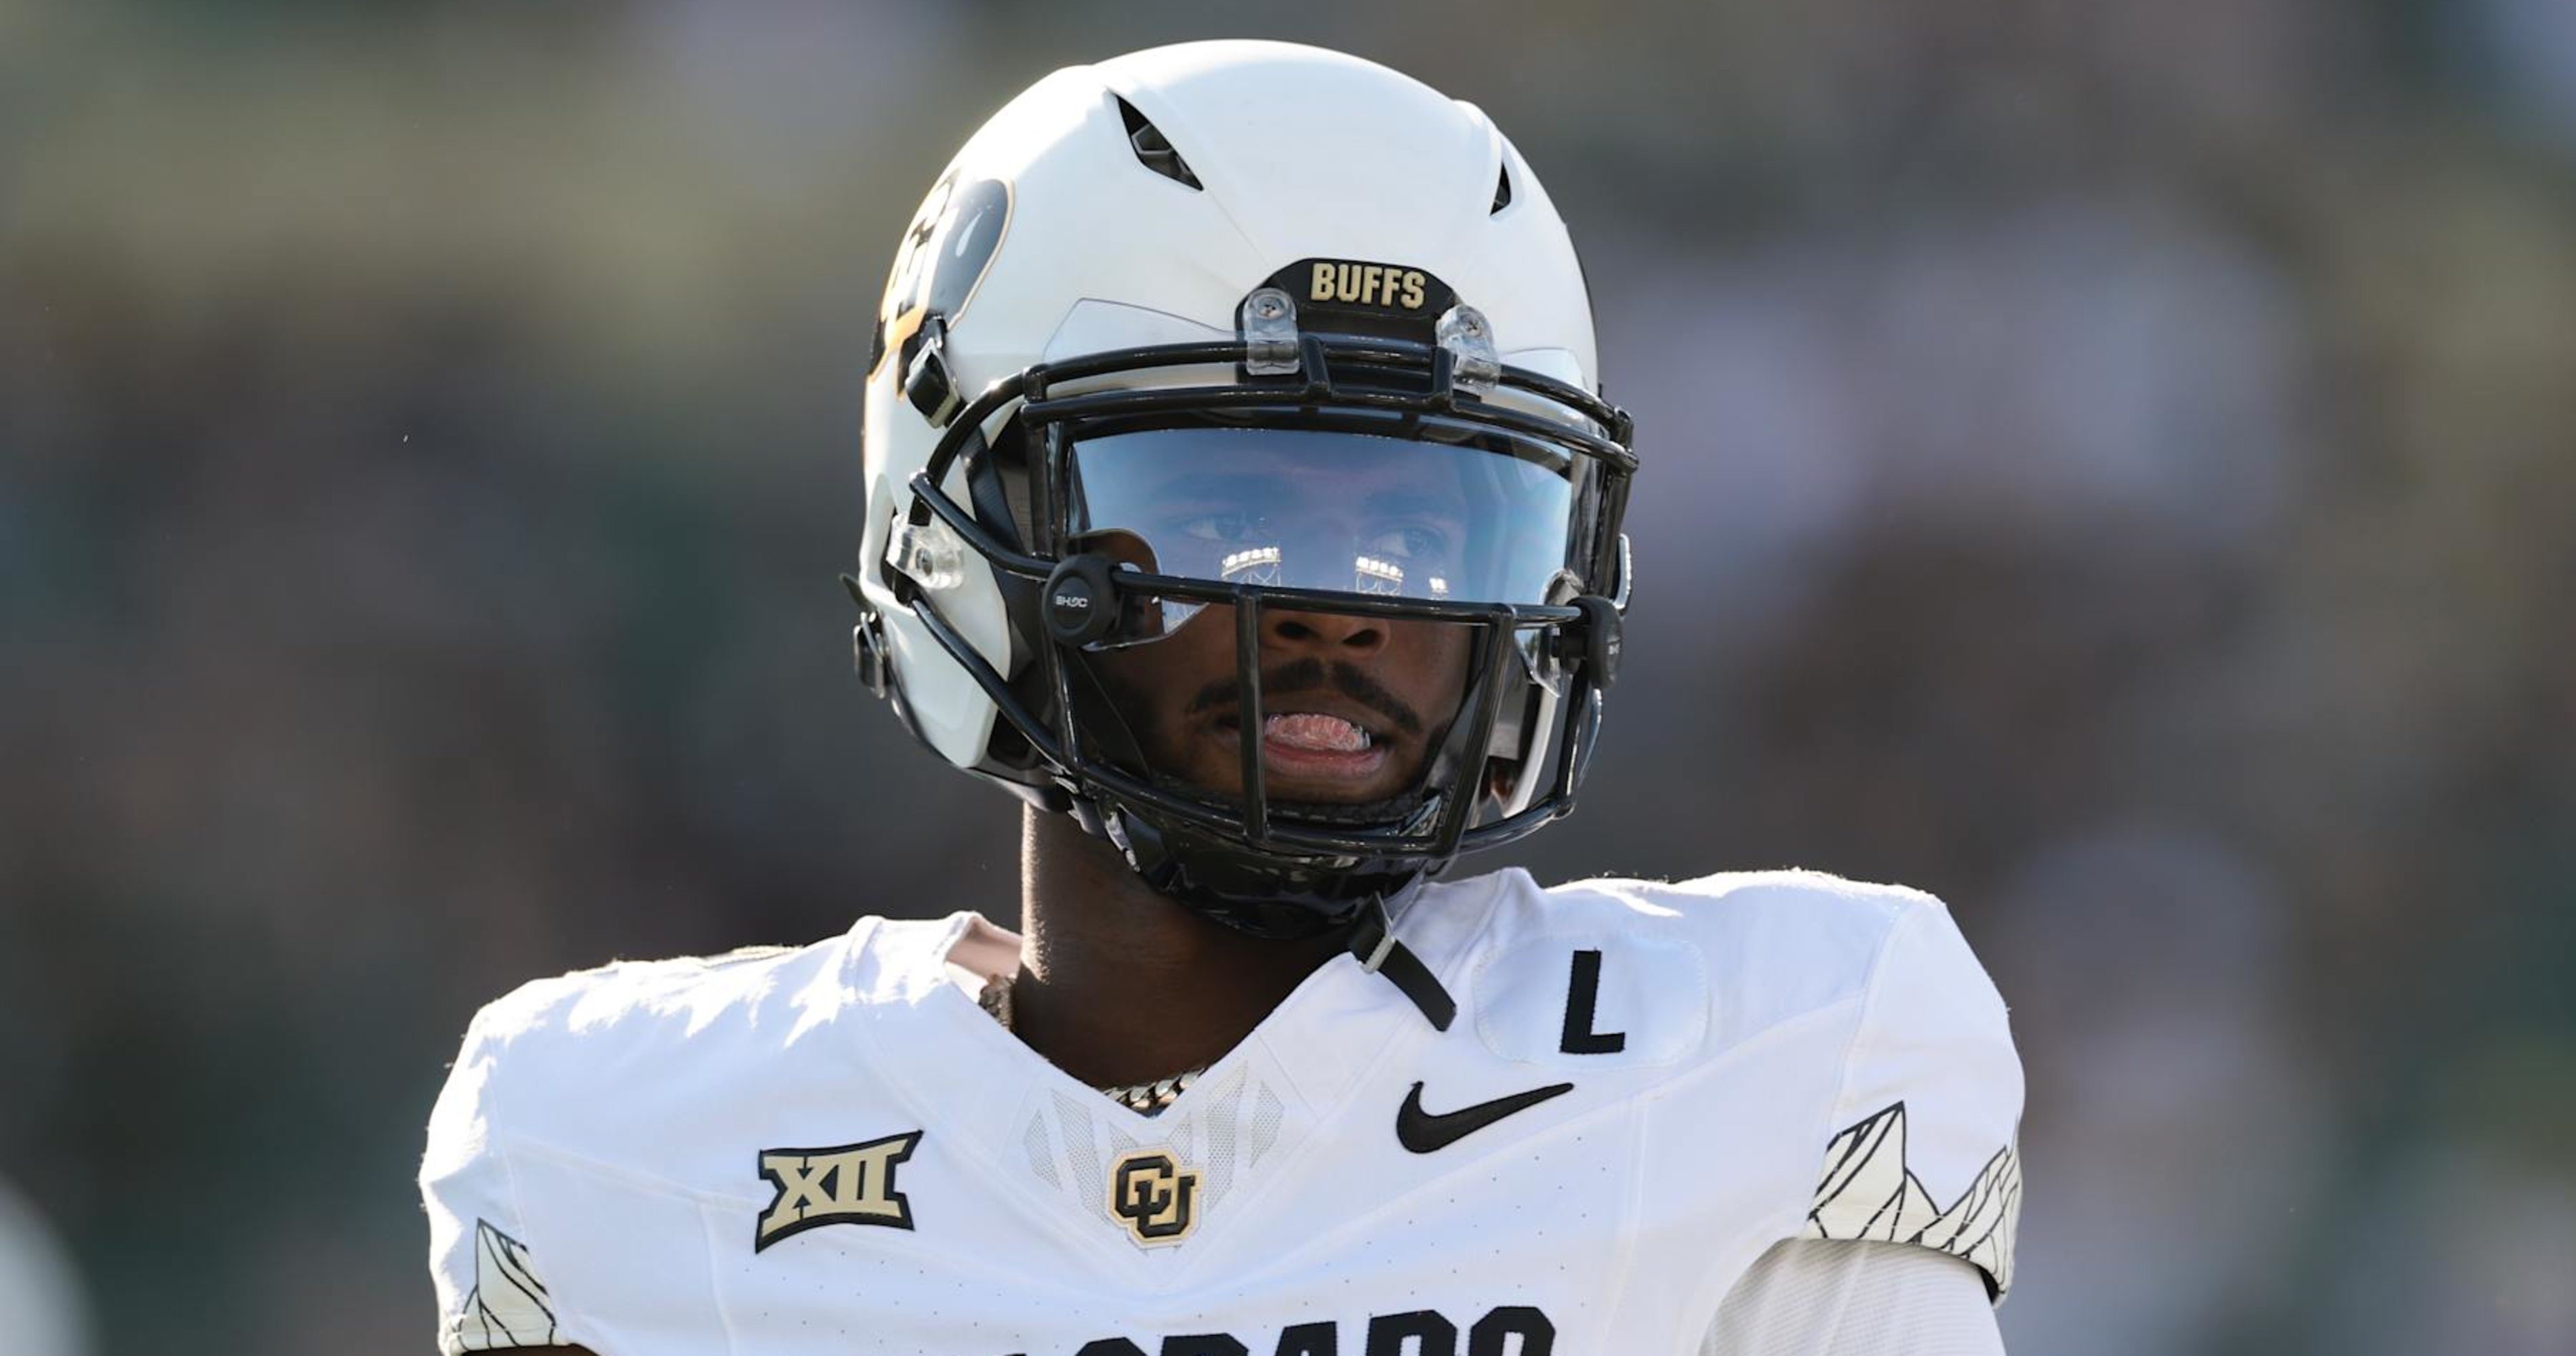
[1324,633]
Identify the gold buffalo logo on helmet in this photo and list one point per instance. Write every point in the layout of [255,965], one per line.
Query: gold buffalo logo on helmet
[945,253]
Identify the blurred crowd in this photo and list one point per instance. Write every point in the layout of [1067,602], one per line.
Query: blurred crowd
[2113,465]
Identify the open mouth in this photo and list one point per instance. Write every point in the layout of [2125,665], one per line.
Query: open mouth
[1313,747]
[1315,732]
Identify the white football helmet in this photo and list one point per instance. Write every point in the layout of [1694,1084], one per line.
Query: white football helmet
[1255,257]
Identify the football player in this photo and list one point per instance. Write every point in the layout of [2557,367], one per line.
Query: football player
[1242,497]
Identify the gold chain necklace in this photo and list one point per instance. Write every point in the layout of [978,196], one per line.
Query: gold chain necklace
[1145,1099]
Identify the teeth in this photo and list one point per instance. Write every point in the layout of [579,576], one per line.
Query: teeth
[1312,730]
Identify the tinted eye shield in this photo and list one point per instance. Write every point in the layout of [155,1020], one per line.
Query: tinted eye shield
[1090,598]
[1448,514]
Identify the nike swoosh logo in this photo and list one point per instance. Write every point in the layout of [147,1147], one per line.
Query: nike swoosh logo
[1424,1133]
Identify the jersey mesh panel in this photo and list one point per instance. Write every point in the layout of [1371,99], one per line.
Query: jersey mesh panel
[1041,1154]
[1073,1123]
[1231,1127]
[1220,1127]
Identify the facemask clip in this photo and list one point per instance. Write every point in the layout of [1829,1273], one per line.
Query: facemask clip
[1269,333]
[1469,338]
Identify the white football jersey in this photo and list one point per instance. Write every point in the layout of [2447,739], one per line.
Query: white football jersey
[835,1150]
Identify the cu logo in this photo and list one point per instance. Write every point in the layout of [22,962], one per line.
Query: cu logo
[1155,1197]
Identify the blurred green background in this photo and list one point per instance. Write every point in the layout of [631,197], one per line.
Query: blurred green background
[2113,464]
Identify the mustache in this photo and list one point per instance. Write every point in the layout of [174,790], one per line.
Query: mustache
[1313,675]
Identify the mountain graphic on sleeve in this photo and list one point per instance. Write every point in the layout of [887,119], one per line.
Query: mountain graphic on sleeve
[1868,1192]
[508,1305]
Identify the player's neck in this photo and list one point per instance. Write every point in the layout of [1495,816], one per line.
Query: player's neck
[1121,985]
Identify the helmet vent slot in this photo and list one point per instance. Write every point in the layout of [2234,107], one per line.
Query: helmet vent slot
[1502,189]
[1152,150]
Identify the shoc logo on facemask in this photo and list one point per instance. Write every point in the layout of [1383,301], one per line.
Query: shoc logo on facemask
[1384,286]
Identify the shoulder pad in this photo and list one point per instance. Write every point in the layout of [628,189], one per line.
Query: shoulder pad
[1923,1142]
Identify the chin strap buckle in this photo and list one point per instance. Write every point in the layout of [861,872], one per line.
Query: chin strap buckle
[1373,944]
[1377,954]
[927,382]
[868,644]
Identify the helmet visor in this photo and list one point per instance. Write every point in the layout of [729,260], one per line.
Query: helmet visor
[1480,521]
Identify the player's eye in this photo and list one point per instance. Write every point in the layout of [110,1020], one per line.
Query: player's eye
[1410,542]
[1228,528]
